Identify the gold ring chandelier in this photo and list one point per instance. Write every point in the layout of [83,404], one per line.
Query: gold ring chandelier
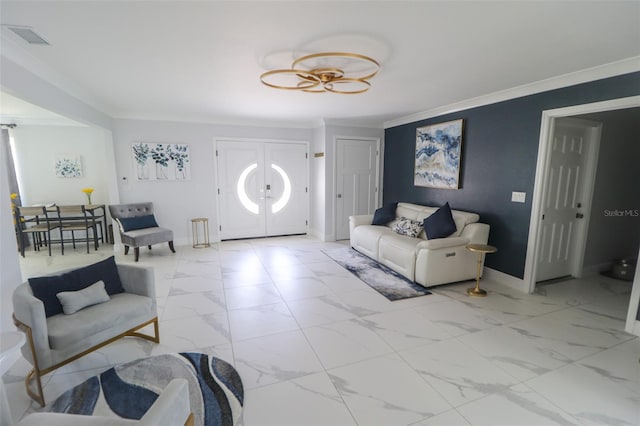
[335,72]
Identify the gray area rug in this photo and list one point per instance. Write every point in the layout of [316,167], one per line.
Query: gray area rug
[389,283]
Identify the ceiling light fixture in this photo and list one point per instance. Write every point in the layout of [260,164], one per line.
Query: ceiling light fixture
[335,72]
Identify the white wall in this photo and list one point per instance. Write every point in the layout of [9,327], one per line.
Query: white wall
[317,184]
[10,275]
[176,202]
[36,149]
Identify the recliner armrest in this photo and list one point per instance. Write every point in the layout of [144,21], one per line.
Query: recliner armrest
[363,219]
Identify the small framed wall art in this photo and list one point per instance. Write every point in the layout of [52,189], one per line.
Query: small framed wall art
[158,161]
[68,166]
[438,154]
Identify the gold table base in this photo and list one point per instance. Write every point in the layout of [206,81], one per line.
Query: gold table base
[481,249]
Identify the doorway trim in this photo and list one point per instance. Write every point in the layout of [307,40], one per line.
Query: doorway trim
[546,126]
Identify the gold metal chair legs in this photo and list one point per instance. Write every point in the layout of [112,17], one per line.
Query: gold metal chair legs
[35,374]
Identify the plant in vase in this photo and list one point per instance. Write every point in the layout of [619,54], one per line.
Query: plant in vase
[88,192]
[141,154]
[179,154]
[159,155]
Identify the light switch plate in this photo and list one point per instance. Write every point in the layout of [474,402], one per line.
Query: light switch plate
[518,197]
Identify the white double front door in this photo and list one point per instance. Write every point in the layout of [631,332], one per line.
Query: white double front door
[262,188]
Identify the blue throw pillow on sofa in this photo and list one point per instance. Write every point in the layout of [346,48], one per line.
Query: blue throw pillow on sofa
[46,288]
[385,214]
[105,270]
[139,222]
[440,224]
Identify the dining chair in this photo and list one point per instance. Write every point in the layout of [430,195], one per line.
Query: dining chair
[34,221]
[75,218]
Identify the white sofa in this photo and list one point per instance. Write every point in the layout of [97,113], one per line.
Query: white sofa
[427,262]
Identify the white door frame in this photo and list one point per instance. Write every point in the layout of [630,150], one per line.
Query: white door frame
[548,117]
[334,195]
[216,222]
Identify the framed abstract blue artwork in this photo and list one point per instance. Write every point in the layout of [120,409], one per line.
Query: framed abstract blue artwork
[438,155]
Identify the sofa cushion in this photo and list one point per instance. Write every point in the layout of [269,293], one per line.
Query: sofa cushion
[408,227]
[146,237]
[137,222]
[385,214]
[73,301]
[440,224]
[66,330]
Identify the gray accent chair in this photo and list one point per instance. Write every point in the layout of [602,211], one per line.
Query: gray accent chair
[57,340]
[140,237]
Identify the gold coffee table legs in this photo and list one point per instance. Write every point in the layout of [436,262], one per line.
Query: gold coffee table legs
[481,249]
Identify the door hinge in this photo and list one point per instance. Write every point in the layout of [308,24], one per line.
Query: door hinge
[306,155]
[306,189]
[216,152]
[306,222]
[542,217]
[218,191]
[220,227]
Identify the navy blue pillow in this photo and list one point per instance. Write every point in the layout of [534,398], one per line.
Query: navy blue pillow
[139,222]
[105,270]
[46,288]
[440,224]
[385,214]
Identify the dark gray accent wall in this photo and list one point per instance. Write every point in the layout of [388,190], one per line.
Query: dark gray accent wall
[499,154]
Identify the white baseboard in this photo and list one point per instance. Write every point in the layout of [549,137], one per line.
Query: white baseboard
[505,279]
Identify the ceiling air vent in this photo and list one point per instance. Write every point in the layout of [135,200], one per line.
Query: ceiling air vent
[28,35]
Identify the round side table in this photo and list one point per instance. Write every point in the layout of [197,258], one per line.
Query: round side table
[205,231]
[481,249]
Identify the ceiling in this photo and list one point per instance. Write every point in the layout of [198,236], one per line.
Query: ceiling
[201,61]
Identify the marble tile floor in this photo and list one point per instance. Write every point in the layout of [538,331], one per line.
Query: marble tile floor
[316,346]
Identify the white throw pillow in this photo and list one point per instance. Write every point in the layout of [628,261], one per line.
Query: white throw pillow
[73,301]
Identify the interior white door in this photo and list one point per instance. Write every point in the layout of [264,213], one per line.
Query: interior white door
[566,198]
[285,188]
[262,189]
[356,181]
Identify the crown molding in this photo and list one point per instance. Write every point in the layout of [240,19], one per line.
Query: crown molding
[599,72]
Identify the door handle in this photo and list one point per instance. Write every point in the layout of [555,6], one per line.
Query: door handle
[339,195]
[579,215]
